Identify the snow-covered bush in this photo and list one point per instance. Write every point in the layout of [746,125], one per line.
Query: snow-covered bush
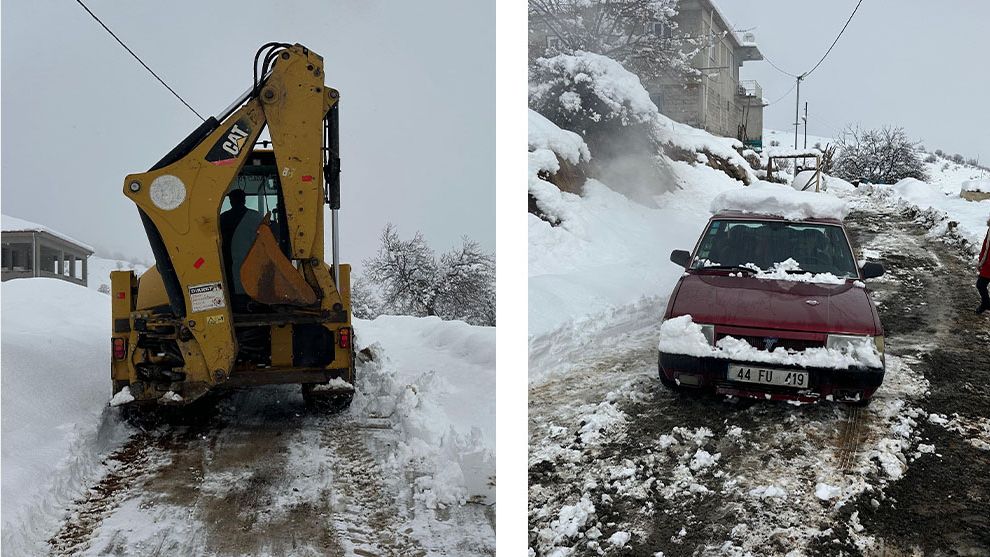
[412,280]
[880,156]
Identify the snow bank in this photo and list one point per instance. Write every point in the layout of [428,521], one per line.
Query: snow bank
[971,215]
[14,224]
[766,198]
[547,142]
[544,134]
[55,384]
[976,185]
[681,335]
[436,381]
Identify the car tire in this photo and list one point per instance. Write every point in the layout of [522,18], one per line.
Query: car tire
[669,383]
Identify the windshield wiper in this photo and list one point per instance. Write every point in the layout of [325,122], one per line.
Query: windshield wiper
[726,268]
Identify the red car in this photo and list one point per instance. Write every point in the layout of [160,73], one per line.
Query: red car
[775,309]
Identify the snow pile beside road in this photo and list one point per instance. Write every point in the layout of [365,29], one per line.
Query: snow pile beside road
[976,185]
[434,380]
[971,216]
[55,387]
[681,335]
[774,199]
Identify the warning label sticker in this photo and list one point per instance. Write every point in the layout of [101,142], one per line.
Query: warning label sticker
[205,297]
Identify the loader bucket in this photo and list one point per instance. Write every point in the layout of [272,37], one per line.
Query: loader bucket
[268,276]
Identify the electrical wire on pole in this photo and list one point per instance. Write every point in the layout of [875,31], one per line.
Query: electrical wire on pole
[138,58]
[807,73]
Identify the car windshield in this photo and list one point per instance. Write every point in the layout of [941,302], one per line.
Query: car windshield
[817,248]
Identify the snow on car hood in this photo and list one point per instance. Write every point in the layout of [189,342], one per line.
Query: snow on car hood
[681,335]
[748,301]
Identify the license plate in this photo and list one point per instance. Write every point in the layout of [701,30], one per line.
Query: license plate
[765,376]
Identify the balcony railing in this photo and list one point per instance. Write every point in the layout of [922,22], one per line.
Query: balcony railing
[750,88]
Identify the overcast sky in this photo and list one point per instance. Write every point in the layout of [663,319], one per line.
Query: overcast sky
[917,64]
[417,82]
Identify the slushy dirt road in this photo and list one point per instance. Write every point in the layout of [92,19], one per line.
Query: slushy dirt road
[261,475]
[619,465]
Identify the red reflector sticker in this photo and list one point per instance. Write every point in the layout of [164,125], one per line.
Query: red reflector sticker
[307,178]
[121,295]
[199,263]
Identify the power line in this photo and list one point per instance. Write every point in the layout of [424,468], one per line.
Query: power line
[776,67]
[136,57]
[784,95]
[807,73]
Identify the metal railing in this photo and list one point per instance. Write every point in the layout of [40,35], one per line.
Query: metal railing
[750,88]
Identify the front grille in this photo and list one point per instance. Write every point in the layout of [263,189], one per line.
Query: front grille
[760,343]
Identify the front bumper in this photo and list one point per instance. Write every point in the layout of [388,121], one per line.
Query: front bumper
[848,385]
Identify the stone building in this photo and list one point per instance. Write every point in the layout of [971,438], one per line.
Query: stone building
[716,101]
[33,250]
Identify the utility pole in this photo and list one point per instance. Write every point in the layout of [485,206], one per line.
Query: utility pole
[805,124]
[797,110]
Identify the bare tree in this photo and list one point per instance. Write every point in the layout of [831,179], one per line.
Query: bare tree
[412,280]
[880,156]
[641,34]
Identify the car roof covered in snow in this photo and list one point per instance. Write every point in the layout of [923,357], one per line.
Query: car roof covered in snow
[741,215]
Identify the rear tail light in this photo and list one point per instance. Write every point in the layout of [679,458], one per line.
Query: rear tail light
[344,337]
[119,348]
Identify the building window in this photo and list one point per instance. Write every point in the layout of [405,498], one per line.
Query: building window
[657,99]
[662,30]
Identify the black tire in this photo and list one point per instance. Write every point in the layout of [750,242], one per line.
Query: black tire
[669,383]
[329,402]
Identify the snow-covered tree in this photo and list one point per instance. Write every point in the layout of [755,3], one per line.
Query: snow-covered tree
[365,300]
[641,34]
[467,284]
[412,280]
[880,156]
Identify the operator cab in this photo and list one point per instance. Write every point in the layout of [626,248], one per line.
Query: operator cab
[259,180]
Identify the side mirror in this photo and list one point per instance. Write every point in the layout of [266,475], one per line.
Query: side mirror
[872,270]
[681,257]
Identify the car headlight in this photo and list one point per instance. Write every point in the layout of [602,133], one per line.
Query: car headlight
[841,342]
[709,332]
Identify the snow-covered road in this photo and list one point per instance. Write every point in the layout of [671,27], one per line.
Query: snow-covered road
[620,465]
[261,475]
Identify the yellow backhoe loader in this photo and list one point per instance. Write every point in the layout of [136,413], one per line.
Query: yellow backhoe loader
[240,293]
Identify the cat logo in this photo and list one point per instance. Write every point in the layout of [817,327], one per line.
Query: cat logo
[235,139]
[226,150]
